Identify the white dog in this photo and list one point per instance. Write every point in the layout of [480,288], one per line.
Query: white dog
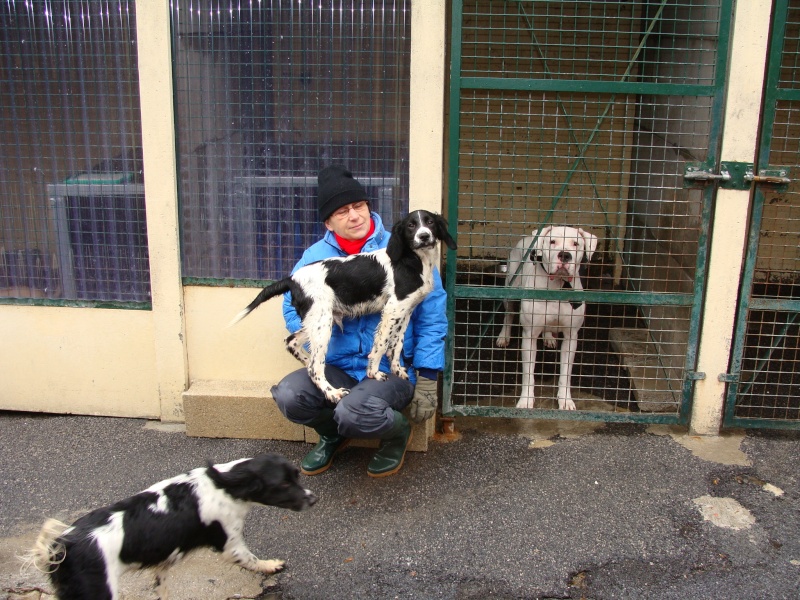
[548,260]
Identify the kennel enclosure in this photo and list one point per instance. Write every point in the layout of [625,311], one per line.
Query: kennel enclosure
[599,115]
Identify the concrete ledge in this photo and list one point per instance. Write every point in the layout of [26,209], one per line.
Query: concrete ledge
[236,409]
[245,409]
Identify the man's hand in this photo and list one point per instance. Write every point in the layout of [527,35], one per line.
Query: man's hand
[423,404]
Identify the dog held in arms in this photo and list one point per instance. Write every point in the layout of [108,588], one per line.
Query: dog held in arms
[391,281]
[205,507]
[547,260]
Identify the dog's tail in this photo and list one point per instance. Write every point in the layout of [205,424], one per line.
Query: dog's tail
[47,552]
[272,290]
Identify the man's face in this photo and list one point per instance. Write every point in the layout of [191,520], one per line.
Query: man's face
[351,222]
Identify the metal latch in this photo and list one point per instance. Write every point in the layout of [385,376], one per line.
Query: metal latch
[697,174]
[777,177]
[735,176]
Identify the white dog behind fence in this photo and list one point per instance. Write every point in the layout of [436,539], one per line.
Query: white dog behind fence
[547,260]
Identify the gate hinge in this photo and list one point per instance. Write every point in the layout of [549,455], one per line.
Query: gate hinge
[728,378]
[695,375]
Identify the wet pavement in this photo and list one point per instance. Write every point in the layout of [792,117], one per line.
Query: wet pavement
[511,509]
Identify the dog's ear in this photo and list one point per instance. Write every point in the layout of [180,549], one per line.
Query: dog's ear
[239,482]
[540,240]
[590,243]
[442,233]
[396,245]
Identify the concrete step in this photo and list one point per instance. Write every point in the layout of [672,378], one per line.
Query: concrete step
[245,409]
[651,385]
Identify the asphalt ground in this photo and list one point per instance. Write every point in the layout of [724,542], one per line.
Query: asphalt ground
[512,509]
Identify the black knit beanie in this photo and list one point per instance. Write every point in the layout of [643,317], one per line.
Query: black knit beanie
[337,188]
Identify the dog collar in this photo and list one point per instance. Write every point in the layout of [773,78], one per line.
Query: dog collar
[537,258]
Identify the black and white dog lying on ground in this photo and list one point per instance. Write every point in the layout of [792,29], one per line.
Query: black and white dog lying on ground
[391,281]
[156,527]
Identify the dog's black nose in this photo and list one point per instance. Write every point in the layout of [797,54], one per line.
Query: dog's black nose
[424,236]
[565,257]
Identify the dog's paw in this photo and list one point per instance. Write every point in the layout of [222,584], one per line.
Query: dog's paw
[549,340]
[504,337]
[566,404]
[378,376]
[525,403]
[270,566]
[400,371]
[336,394]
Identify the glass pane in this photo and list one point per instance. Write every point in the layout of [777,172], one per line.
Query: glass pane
[71,181]
[266,97]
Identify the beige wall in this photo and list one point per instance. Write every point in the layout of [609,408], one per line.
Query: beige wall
[76,360]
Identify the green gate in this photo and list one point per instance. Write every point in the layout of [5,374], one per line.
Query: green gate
[599,115]
[764,381]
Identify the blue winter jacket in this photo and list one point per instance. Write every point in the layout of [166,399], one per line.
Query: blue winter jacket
[349,347]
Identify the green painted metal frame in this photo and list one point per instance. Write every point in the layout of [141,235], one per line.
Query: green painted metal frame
[694,300]
[773,94]
[113,304]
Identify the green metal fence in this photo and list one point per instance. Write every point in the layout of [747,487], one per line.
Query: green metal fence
[585,114]
[764,388]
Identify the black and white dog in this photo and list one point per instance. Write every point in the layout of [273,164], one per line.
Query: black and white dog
[156,527]
[554,255]
[392,281]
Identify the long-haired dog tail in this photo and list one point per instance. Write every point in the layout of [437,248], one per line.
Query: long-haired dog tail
[47,552]
[272,290]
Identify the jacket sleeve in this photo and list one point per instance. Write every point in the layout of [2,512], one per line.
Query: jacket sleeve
[429,325]
[290,316]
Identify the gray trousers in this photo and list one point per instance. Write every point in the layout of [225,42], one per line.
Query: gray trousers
[366,412]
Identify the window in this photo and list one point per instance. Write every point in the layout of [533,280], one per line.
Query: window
[72,217]
[267,95]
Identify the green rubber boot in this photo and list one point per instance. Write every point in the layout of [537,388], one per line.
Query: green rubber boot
[389,457]
[330,442]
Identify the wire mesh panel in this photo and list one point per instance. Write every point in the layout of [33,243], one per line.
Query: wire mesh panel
[583,115]
[267,95]
[765,388]
[72,215]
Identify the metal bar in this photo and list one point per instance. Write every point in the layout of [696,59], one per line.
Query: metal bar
[777,304]
[113,304]
[452,203]
[564,415]
[629,298]
[786,94]
[583,86]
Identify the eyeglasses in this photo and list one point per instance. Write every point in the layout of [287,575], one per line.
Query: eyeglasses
[344,212]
